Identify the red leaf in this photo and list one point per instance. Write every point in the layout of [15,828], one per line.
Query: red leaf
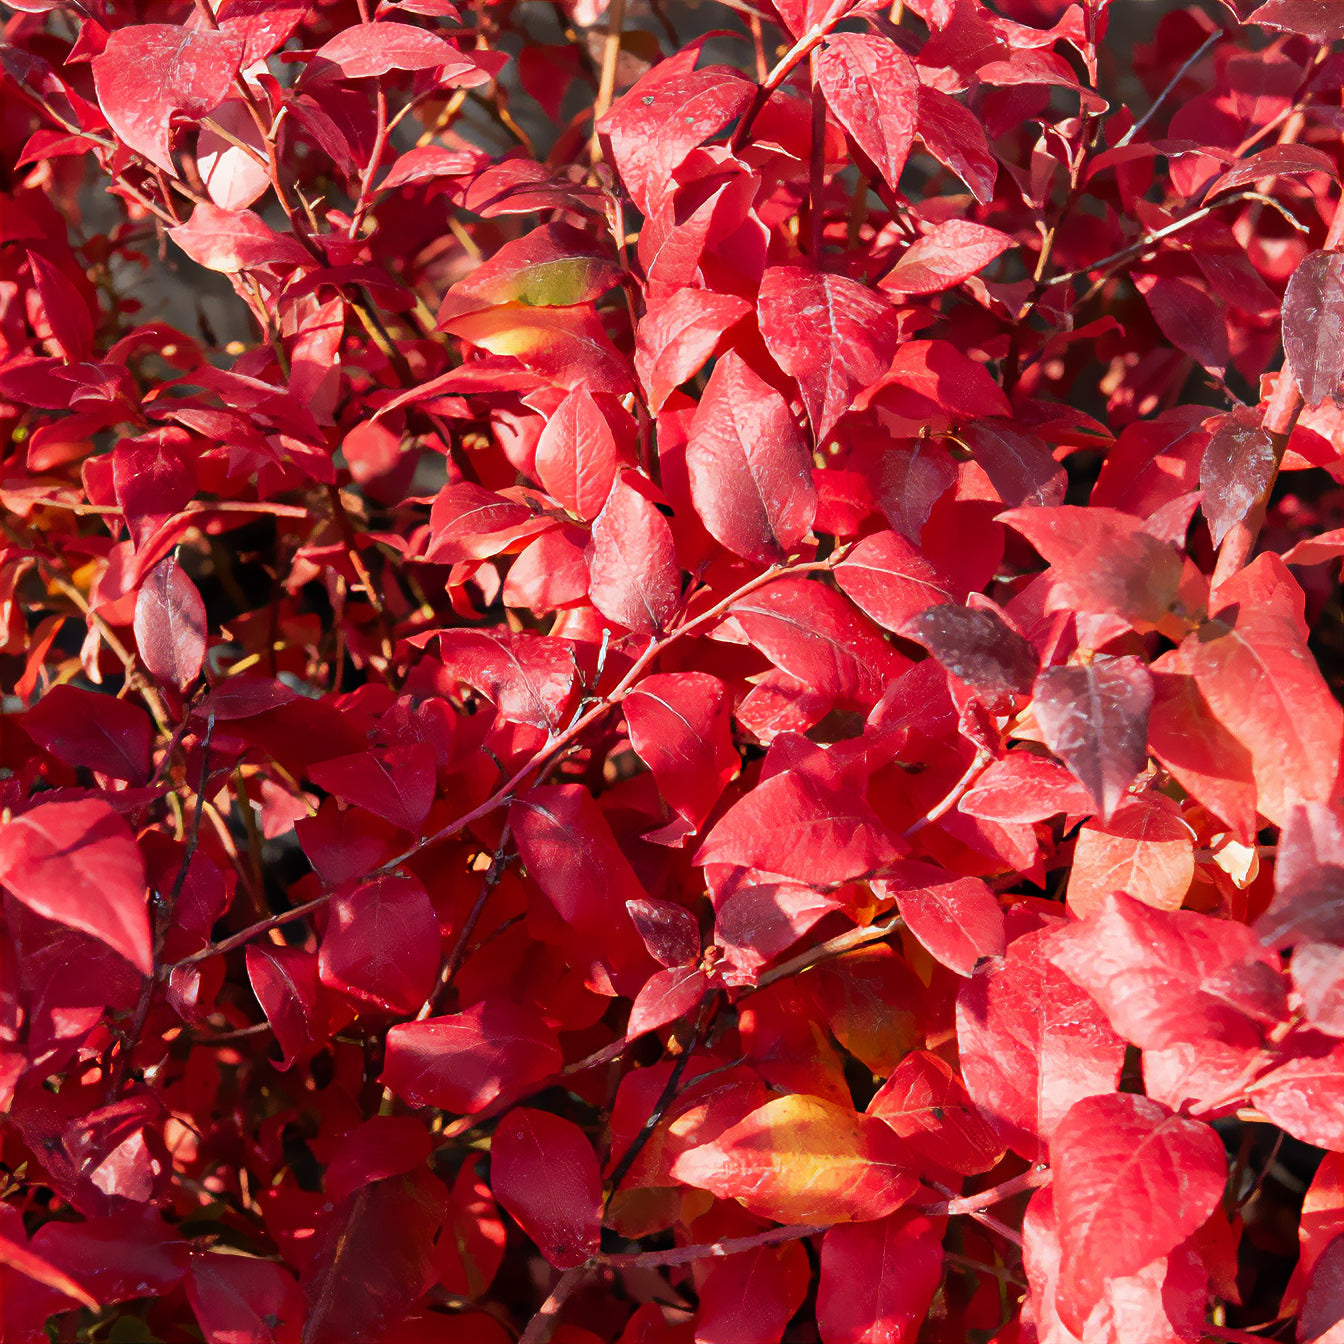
[1189,317]
[152,480]
[77,863]
[170,627]
[957,919]
[949,253]
[1019,463]
[977,646]
[1302,1097]
[873,1003]
[669,111]
[1032,1043]
[577,456]
[835,336]
[890,580]
[1308,877]
[750,470]
[1206,760]
[956,138]
[1167,976]
[680,726]
[148,72]
[1023,786]
[382,943]
[67,311]
[1094,717]
[471,1248]
[545,1173]
[811,632]
[1313,320]
[1145,850]
[752,1295]
[527,677]
[462,1062]
[799,1159]
[468,522]
[236,240]
[262,25]
[395,783]
[1239,466]
[1315,19]
[1318,982]
[41,1271]
[635,581]
[669,931]
[1132,1181]
[927,1104]
[873,90]
[1262,682]
[284,979]
[667,995]
[678,334]
[373,1150]
[859,1298]
[365,51]
[100,732]
[244,1300]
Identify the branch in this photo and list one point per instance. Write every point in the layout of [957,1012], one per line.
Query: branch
[684,1255]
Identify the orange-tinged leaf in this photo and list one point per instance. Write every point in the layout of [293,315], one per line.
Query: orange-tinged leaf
[1146,850]
[800,1159]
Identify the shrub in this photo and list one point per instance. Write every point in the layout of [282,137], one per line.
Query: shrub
[699,701]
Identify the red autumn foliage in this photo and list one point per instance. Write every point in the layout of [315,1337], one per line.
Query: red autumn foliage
[696,698]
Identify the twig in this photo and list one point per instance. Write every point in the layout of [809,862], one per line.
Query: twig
[957,1204]
[685,1255]
[611,50]
[541,1325]
[1208,44]
[953,797]
[833,947]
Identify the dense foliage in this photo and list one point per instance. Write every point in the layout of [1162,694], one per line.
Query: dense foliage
[671,675]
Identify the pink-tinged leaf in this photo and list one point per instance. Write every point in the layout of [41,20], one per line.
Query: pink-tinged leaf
[284,979]
[1023,786]
[957,919]
[544,1172]
[1168,976]
[976,645]
[527,677]
[577,455]
[1302,1097]
[365,51]
[570,852]
[1317,550]
[891,580]
[1132,1181]
[1308,877]
[750,469]
[927,1104]
[956,138]
[382,943]
[261,25]
[1313,325]
[1102,560]
[1319,20]
[799,1159]
[678,334]
[656,124]
[669,931]
[34,1267]
[752,1295]
[77,863]
[1019,463]
[470,1250]
[680,725]
[395,783]
[230,241]
[1318,982]
[468,522]
[148,72]
[1145,850]
[801,825]
[1239,466]
[376,1148]
[1032,1043]
[861,1298]
[99,732]
[241,1300]
[1094,717]
[667,995]
[634,579]
[555,265]
[835,336]
[949,253]
[873,90]
[1322,1318]
[1206,760]
[462,1062]
[170,628]
[1264,685]
[371,1259]
[68,312]
[567,346]
[811,632]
